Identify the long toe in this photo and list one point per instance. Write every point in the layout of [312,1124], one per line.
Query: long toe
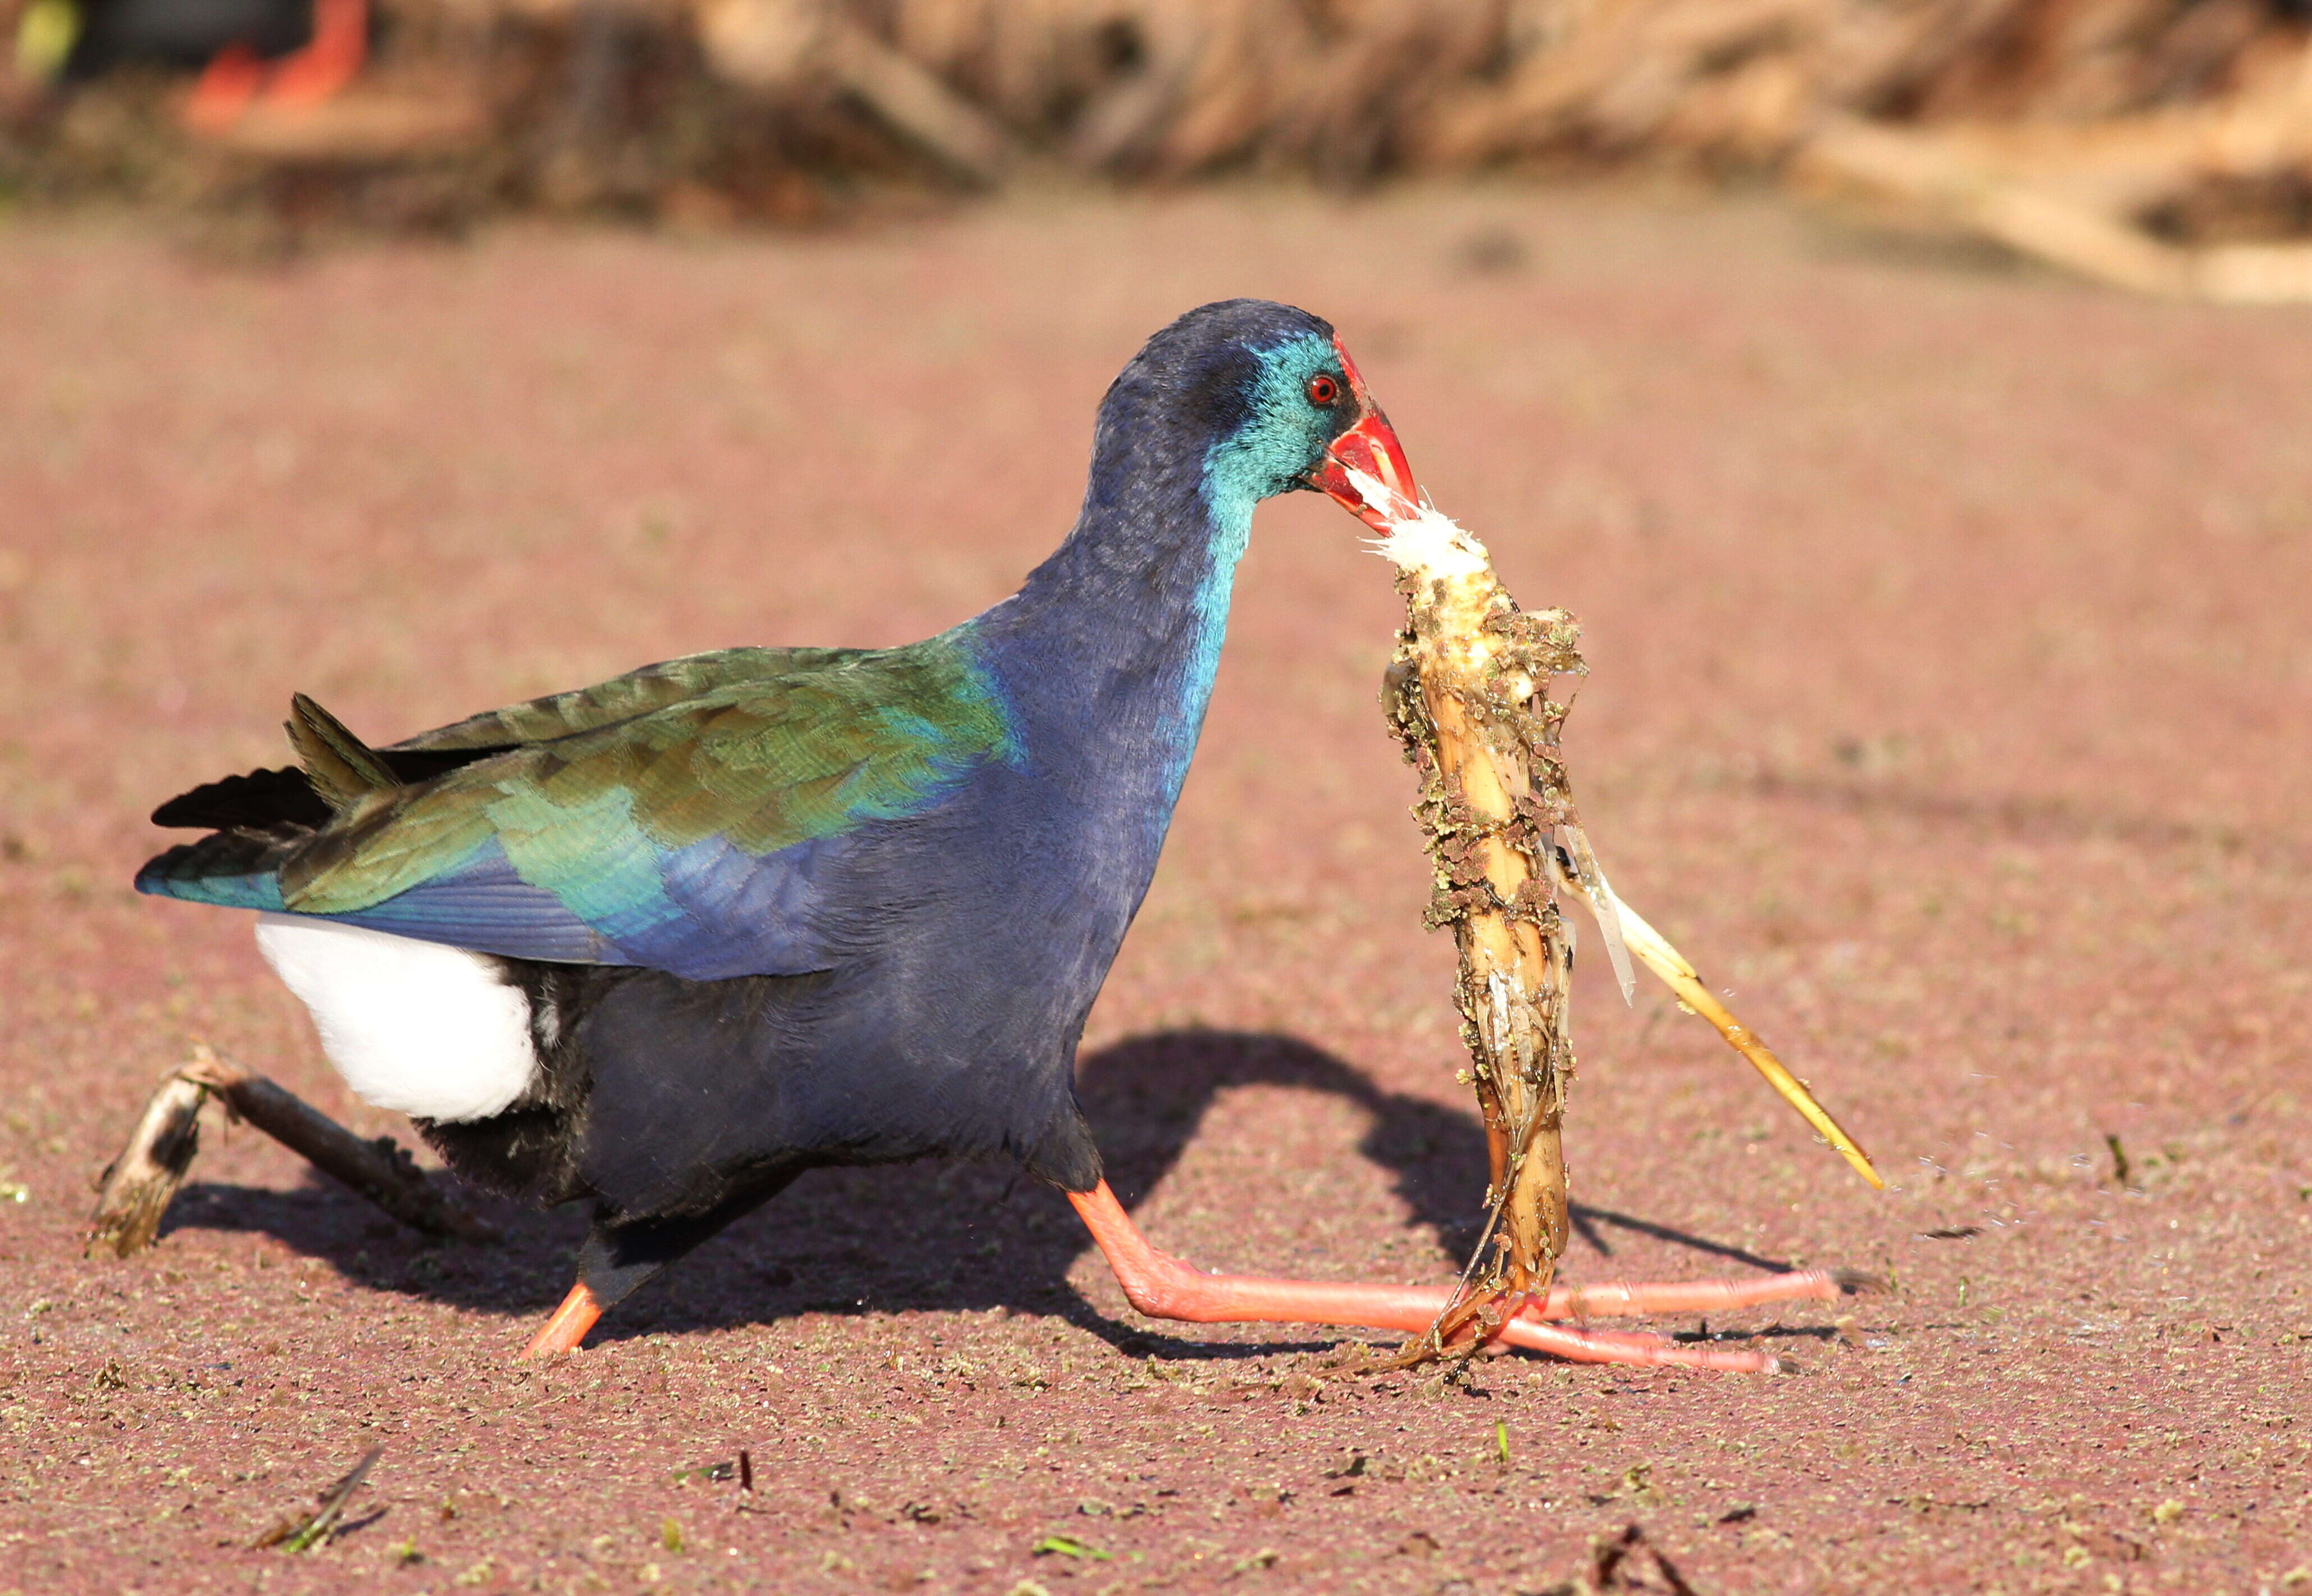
[1632,1347]
[1164,1287]
[1622,1299]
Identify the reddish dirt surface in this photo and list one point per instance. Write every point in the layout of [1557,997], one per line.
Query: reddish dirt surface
[1951,681]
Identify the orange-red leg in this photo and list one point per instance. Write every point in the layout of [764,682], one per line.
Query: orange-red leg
[331,60]
[1164,1287]
[568,1327]
[224,89]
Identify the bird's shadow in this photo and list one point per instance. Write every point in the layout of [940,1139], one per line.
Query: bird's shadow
[945,1237]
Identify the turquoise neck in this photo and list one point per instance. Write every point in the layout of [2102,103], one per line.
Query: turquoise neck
[1229,503]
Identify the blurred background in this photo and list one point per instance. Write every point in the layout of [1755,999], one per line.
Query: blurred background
[2163,145]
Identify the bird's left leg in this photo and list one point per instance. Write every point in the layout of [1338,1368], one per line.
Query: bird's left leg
[619,1254]
[1166,1287]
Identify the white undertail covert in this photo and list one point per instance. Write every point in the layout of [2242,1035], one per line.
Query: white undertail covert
[426,1029]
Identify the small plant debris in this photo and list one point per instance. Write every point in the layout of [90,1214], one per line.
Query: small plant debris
[302,1535]
[1068,1546]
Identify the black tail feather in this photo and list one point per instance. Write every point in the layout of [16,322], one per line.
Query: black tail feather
[265,800]
[259,801]
[220,854]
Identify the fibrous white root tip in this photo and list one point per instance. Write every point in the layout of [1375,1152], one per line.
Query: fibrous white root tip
[1420,538]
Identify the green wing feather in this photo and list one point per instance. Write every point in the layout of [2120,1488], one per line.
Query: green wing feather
[638,692]
[762,748]
[682,818]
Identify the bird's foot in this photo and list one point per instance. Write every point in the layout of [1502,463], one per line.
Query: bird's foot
[1165,1287]
[1502,1323]
[237,78]
[562,1333]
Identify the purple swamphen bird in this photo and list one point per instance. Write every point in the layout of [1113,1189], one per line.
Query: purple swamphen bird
[665,943]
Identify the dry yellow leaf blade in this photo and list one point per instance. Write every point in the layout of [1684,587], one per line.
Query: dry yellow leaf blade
[1651,948]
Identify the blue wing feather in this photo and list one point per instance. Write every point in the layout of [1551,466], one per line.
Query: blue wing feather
[695,838]
[728,912]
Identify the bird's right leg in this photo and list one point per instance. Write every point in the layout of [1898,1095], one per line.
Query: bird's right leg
[1166,1287]
[330,60]
[617,1258]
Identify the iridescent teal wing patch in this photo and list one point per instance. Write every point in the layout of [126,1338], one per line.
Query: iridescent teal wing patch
[684,824]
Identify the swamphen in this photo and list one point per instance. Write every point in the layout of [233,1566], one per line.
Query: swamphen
[665,943]
[289,52]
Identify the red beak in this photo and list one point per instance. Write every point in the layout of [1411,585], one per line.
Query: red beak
[1369,447]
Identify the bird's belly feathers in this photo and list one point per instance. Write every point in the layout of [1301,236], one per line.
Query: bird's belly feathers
[430,1030]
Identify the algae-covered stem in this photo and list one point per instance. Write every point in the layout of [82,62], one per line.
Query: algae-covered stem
[1460,693]
[1468,695]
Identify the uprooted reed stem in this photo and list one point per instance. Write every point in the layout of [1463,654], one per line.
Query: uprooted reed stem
[1468,693]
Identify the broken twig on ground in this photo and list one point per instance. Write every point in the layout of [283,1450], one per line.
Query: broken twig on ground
[380,1169]
[138,1185]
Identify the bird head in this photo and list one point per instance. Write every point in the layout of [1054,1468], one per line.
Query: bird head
[1280,399]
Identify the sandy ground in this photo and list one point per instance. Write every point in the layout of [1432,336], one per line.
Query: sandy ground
[1951,681]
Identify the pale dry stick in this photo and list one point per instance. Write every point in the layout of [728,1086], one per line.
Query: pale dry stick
[780,46]
[138,1185]
[1932,176]
[135,1189]
[380,1169]
[317,1528]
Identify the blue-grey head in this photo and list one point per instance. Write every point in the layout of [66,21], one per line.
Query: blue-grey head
[1241,399]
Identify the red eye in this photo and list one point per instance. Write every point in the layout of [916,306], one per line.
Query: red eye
[1323,391]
